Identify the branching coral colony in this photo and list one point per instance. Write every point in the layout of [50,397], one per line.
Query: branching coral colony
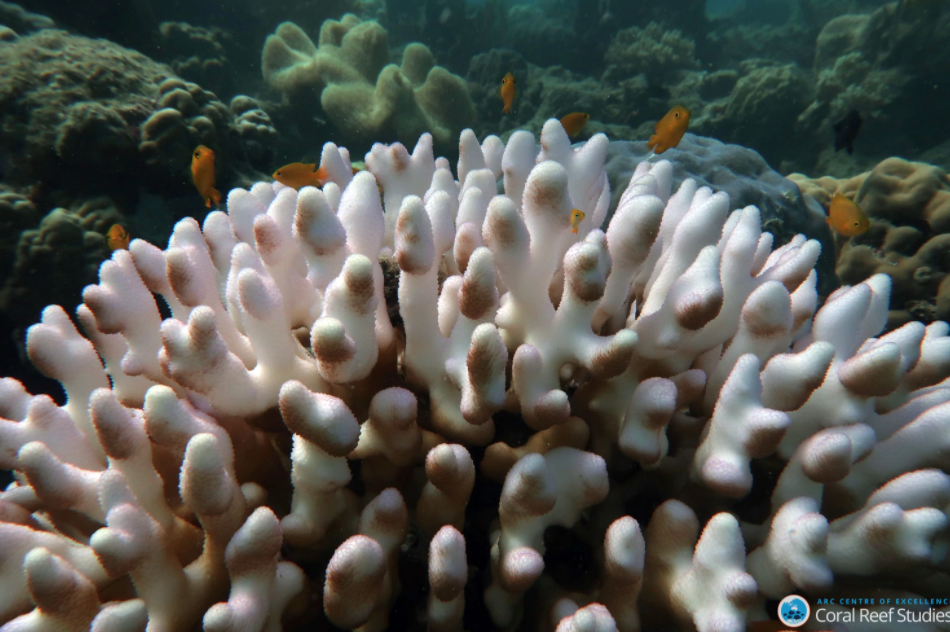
[672,356]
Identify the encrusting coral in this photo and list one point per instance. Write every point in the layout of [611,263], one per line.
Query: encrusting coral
[909,238]
[200,469]
[365,97]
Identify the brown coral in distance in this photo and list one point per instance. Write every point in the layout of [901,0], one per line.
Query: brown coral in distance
[909,239]
[651,50]
[70,107]
[17,213]
[57,259]
[82,117]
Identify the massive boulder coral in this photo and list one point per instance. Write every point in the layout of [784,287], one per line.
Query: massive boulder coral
[203,469]
[909,239]
[84,120]
[365,97]
[88,117]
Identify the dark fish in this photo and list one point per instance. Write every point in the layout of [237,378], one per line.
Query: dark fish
[846,130]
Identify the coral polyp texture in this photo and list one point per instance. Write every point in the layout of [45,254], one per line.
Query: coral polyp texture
[571,431]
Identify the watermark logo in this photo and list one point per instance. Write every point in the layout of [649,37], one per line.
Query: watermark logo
[793,611]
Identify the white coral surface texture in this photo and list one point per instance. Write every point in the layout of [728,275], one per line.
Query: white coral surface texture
[201,471]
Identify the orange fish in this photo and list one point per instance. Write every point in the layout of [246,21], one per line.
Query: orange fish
[508,91]
[846,217]
[118,238]
[577,216]
[669,130]
[299,174]
[573,123]
[202,174]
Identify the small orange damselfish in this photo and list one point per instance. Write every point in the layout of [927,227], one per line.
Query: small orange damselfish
[669,130]
[574,122]
[118,238]
[577,216]
[846,217]
[508,91]
[202,174]
[300,174]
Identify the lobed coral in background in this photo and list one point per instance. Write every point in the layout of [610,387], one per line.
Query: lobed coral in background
[201,471]
[909,239]
[186,116]
[364,96]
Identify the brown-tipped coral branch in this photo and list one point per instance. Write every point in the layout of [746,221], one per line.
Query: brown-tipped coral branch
[281,454]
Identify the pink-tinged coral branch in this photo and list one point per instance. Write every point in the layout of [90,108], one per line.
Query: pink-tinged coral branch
[400,174]
[461,370]
[176,596]
[740,429]
[65,600]
[448,574]
[450,475]
[122,304]
[121,616]
[540,491]
[261,586]
[624,554]
[356,583]
[325,431]
[60,353]
[702,582]
[592,618]
[343,338]
[794,556]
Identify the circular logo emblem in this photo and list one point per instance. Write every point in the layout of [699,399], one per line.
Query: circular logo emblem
[793,611]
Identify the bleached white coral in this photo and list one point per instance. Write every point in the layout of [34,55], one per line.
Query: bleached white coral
[207,462]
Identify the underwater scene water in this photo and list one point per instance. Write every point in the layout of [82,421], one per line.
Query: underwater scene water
[554,315]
